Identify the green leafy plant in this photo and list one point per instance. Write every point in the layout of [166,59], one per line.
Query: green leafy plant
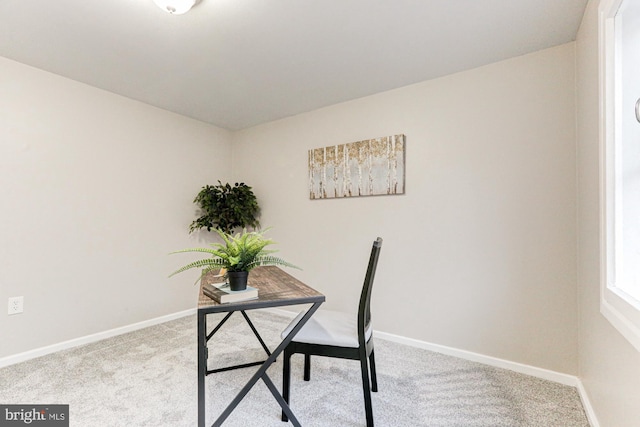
[225,207]
[241,252]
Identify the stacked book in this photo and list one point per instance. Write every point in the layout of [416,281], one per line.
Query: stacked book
[222,293]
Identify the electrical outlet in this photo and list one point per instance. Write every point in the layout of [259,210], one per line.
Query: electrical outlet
[16,305]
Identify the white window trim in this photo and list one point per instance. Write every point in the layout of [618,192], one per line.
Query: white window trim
[622,310]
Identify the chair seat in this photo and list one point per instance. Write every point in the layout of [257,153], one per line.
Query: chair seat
[328,327]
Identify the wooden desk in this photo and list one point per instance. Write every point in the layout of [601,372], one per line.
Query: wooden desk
[276,288]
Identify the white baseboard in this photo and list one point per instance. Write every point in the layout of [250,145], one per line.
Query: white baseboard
[42,351]
[588,409]
[569,380]
[467,355]
[546,374]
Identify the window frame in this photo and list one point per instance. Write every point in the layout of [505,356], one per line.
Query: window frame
[620,308]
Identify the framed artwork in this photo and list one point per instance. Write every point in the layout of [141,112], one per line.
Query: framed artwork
[363,168]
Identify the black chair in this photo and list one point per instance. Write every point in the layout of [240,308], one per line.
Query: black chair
[334,334]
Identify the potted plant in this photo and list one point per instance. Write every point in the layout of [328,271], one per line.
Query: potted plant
[235,257]
[226,207]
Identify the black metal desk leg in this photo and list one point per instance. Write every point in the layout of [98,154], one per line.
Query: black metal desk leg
[202,366]
[262,373]
[255,332]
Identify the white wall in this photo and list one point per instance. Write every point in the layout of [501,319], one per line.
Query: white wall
[95,191]
[479,254]
[609,365]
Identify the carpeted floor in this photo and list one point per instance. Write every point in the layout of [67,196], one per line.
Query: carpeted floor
[148,378]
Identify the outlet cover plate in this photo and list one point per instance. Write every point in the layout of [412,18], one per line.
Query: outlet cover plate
[16,305]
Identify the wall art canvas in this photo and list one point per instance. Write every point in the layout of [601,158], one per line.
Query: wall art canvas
[363,168]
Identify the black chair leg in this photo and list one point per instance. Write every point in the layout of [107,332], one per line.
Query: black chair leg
[286,380]
[366,389]
[374,377]
[307,367]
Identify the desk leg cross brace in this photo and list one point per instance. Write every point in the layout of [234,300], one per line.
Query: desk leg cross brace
[260,374]
[255,332]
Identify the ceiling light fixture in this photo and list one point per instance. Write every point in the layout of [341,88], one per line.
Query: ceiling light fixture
[175,7]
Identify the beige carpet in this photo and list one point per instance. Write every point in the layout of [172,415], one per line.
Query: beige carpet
[148,378]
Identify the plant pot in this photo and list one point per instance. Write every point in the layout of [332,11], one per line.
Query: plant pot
[238,280]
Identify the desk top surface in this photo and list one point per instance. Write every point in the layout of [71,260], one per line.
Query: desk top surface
[275,288]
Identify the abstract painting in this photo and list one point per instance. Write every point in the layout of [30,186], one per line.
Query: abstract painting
[363,168]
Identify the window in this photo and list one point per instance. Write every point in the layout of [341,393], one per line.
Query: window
[620,165]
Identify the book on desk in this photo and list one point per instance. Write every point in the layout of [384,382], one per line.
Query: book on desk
[221,293]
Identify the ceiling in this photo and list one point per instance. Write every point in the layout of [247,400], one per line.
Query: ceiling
[238,63]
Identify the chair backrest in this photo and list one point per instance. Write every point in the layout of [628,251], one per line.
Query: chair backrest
[364,312]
